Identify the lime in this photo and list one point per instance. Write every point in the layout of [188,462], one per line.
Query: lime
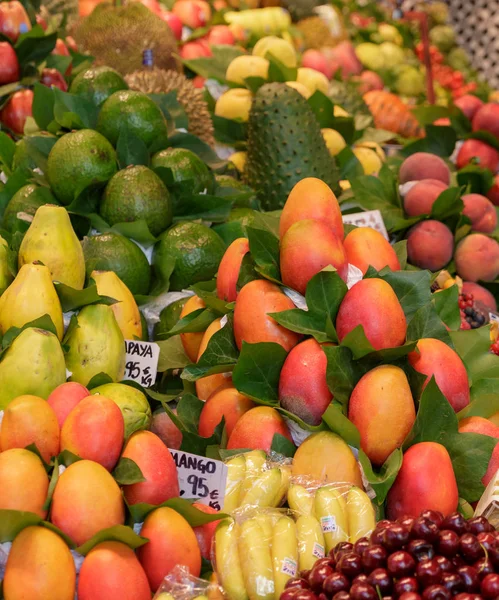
[26,200]
[228,185]
[77,161]
[97,84]
[168,317]
[196,249]
[114,252]
[141,115]
[137,193]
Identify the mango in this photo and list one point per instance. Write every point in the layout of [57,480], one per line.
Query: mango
[207,385]
[326,457]
[204,533]
[300,88]
[278,48]
[95,430]
[225,403]
[423,165]
[192,341]
[171,542]
[256,429]
[382,408]
[65,397]
[230,266]
[163,426]
[479,425]
[157,466]
[434,358]
[246,66]
[373,304]
[30,420]
[313,80]
[307,247]
[335,142]
[86,499]
[426,481]
[366,247]
[40,566]
[23,481]
[111,571]
[234,104]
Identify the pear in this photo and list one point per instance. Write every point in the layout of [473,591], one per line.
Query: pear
[6,276]
[31,295]
[33,364]
[51,240]
[96,345]
[125,310]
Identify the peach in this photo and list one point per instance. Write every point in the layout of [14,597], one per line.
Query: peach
[468,104]
[479,425]
[39,566]
[311,198]
[173,22]
[86,499]
[382,408]
[373,304]
[480,294]
[308,247]
[303,388]
[195,49]
[423,165]
[252,324]
[479,152]
[207,385]
[192,13]
[314,59]
[369,81]
[486,118]
[171,542]
[221,35]
[481,213]
[420,198]
[65,397]
[256,429]
[165,429]
[228,271]
[24,482]
[30,420]
[95,430]
[326,457]
[425,481]
[430,245]
[192,341]
[434,358]
[111,571]
[493,193]
[366,246]
[158,469]
[226,403]
[477,258]
[204,533]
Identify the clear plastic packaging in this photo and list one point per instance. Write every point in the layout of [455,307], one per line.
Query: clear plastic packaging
[181,585]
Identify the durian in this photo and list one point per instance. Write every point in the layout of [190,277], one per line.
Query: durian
[159,81]
[316,33]
[118,36]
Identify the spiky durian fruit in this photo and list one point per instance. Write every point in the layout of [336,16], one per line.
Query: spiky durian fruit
[58,9]
[316,33]
[159,81]
[118,36]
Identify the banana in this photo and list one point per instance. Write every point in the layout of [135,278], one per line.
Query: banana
[264,490]
[227,560]
[331,515]
[164,596]
[284,553]
[201,597]
[266,522]
[254,462]
[360,514]
[236,470]
[310,541]
[256,562]
[300,499]
[283,488]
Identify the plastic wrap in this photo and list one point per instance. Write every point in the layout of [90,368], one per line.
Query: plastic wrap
[181,585]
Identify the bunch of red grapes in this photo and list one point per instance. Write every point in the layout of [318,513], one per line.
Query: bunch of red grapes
[424,558]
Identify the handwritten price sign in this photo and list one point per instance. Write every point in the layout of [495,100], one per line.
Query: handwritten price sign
[370,218]
[141,363]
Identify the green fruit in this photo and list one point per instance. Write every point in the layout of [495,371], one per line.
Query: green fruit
[6,276]
[26,200]
[21,159]
[33,364]
[114,252]
[137,193]
[168,318]
[97,84]
[370,56]
[227,185]
[458,59]
[285,145]
[96,345]
[443,37]
[141,115]
[133,405]
[77,161]
[392,54]
[196,249]
[410,82]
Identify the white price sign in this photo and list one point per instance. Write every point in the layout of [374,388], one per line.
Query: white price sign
[141,364]
[370,218]
[493,317]
[201,478]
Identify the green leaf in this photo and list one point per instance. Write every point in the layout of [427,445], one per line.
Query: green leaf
[473,346]
[127,472]
[257,371]
[207,291]
[74,112]
[439,140]
[67,458]
[278,71]
[342,372]
[282,445]
[7,150]
[194,144]
[447,307]
[34,46]
[484,400]
[447,204]
[339,423]
[38,148]
[189,411]
[228,131]
[118,533]
[476,178]
[207,207]
[411,287]
[194,322]
[254,83]
[12,522]
[358,344]
[43,322]
[53,482]
[14,183]
[215,66]
[171,355]
[130,149]
[171,108]
[401,252]
[136,230]
[484,136]
[302,321]
[426,323]
[98,380]
[184,507]
[58,62]
[323,109]
[72,299]
[349,164]
[382,481]
[264,248]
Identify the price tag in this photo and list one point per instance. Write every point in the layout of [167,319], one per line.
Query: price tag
[318,550]
[328,524]
[201,478]
[493,317]
[370,218]
[141,362]
[289,566]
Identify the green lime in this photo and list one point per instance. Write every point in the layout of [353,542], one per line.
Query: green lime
[114,252]
[196,249]
[97,84]
[141,115]
[245,216]
[168,317]
[77,161]
[26,200]
[137,193]
[228,185]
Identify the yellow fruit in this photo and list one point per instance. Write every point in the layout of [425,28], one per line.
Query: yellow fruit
[254,460]
[264,489]
[311,544]
[280,49]
[370,161]
[313,80]
[236,469]
[334,141]
[300,500]
[340,112]
[238,159]
[299,87]
[332,516]
[284,553]
[256,561]
[227,560]
[360,511]
[246,66]
[234,104]
[373,146]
